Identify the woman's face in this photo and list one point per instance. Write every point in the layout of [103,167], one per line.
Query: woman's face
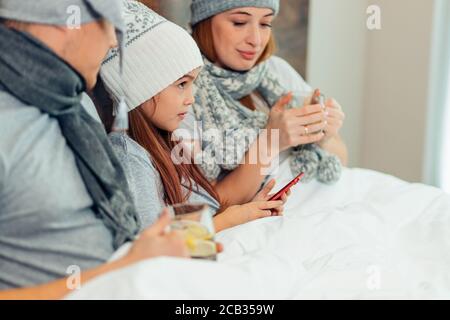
[240,36]
[170,106]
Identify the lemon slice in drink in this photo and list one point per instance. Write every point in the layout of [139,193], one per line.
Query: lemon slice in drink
[198,231]
[202,249]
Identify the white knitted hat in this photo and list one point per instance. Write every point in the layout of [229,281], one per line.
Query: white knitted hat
[157,53]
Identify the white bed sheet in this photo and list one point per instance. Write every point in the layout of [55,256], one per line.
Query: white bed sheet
[370,236]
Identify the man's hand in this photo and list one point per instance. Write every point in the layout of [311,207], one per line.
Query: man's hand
[155,242]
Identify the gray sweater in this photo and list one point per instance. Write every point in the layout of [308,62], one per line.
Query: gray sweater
[46,220]
[145,182]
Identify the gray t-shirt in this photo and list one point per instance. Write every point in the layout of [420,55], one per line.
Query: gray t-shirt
[46,220]
[145,182]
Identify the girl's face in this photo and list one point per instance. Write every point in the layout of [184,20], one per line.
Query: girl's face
[170,106]
[240,36]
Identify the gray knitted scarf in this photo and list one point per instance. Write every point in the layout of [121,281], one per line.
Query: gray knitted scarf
[217,105]
[35,75]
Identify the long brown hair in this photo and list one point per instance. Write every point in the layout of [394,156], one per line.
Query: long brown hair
[203,35]
[159,145]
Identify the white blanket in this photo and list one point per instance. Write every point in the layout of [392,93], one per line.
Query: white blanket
[370,236]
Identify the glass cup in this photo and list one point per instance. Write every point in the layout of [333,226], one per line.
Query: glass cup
[299,98]
[195,221]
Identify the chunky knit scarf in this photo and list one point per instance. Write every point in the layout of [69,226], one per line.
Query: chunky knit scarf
[217,106]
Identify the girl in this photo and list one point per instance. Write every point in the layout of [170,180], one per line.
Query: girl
[162,62]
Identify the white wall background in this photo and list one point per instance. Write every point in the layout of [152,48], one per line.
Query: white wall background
[380,77]
[337,61]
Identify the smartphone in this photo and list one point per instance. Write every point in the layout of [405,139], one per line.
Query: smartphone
[287,187]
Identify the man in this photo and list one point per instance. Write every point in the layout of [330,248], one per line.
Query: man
[63,196]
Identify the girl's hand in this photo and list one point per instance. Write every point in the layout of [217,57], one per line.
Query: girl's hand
[265,195]
[236,215]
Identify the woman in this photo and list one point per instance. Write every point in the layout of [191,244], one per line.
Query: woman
[162,62]
[244,89]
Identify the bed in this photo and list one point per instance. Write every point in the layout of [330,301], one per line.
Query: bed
[370,236]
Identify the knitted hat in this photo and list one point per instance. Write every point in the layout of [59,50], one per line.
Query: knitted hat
[204,9]
[158,53]
[60,12]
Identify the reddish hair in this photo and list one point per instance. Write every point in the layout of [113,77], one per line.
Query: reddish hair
[203,35]
[159,145]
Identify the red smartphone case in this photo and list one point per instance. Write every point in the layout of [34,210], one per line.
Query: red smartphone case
[286,188]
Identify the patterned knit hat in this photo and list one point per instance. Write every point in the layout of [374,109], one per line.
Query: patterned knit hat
[204,9]
[158,53]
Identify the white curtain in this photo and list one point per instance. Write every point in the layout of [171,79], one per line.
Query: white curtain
[437,157]
[445,163]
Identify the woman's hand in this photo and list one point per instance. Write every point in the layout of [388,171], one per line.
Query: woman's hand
[264,195]
[297,126]
[335,118]
[155,242]
[236,215]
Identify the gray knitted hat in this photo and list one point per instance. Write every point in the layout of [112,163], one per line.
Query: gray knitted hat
[204,9]
[59,12]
